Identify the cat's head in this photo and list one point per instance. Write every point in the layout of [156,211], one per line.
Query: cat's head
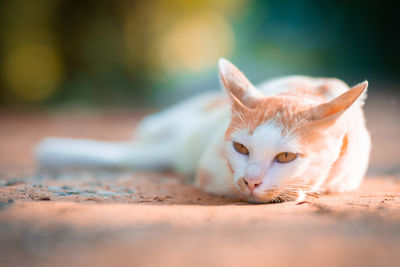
[280,147]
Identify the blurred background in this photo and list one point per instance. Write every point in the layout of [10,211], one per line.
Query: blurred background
[93,68]
[120,53]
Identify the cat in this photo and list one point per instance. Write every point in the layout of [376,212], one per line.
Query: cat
[288,138]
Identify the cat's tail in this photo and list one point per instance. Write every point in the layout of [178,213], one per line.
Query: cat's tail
[56,153]
[66,152]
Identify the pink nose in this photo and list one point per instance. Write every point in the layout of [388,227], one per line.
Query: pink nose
[252,183]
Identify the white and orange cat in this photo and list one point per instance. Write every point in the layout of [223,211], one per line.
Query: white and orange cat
[286,139]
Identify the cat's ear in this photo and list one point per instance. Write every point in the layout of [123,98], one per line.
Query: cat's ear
[332,110]
[238,87]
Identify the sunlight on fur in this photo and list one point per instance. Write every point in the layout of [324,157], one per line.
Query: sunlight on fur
[286,139]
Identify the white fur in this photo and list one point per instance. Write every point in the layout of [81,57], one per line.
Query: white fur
[263,144]
[190,136]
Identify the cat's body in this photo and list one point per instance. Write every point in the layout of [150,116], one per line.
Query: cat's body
[329,145]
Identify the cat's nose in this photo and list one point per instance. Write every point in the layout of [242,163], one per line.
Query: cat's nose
[252,183]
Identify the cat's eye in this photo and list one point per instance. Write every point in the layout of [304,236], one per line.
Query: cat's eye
[285,157]
[240,148]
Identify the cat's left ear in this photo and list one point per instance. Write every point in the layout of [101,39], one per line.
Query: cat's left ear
[330,111]
[238,87]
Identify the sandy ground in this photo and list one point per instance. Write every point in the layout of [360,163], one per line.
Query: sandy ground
[104,218]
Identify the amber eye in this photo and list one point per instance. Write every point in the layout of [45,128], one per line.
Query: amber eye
[240,148]
[285,157]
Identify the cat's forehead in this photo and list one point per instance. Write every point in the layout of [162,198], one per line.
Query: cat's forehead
[283,111]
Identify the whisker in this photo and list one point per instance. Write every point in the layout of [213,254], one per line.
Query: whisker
[240,117]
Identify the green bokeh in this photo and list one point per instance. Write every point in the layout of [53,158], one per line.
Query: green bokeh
[107,53]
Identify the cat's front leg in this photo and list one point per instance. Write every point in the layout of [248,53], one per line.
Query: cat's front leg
[213,174]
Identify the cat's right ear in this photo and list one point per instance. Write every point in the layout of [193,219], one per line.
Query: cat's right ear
[238,87]
[327,113]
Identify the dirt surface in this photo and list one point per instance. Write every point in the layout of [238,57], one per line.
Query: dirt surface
[105,218]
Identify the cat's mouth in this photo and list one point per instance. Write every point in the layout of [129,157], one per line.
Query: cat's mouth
[275,194]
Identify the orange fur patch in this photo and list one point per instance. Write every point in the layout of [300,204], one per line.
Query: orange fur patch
[286,111]
[344,145]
